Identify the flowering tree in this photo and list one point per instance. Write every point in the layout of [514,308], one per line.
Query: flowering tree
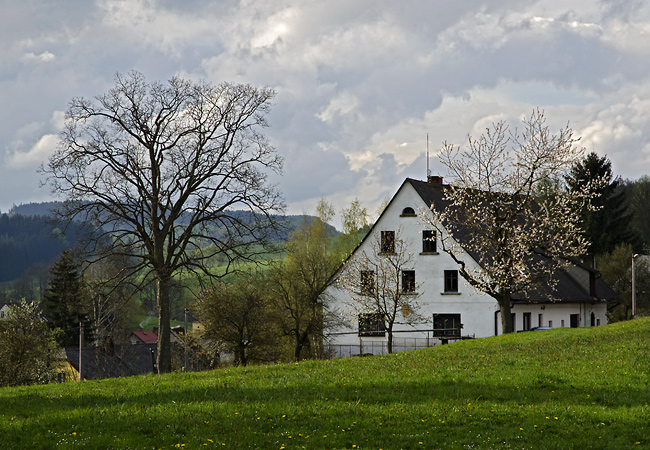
[379,283]
[503,212]
[28,348]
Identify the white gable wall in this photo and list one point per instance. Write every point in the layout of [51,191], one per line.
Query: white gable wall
[479,313]
[4,310]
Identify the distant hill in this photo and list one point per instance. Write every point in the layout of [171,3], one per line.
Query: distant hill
[29,240]
[33,209]
[28,236]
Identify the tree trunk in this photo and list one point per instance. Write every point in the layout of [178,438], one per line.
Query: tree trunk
[506,315]
[301,340]
[164,333]
[390,339]
[240,357]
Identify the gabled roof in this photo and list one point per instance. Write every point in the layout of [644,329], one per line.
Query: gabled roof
[147,337]
[567,289]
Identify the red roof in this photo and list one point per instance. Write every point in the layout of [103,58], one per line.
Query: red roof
[148,337]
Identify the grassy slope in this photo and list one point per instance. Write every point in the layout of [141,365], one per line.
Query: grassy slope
[560,389]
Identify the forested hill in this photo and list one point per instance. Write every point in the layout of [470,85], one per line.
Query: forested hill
[33,209]
[28,237]
[29,240]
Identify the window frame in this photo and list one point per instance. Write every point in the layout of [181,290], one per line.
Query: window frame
[367,282]
[408,285]
[429,242]
[387,244]
[371,325]
[408,212]
[450,282]
[446,331]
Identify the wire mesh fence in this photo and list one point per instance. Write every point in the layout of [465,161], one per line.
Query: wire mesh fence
[380,347]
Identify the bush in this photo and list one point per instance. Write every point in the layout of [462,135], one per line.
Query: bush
[27,347]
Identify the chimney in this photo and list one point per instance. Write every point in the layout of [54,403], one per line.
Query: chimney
[592,283]
[434,179]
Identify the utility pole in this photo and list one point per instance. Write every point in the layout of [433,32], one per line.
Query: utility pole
[81,347]
[185,338]
[634,285]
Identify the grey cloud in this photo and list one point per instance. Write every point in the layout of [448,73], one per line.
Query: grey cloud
[354,79]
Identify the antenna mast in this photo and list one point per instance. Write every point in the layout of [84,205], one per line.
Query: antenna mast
[428,171]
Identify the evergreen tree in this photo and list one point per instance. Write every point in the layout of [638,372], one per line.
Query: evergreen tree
[64,302]
[639,209]
[608,225]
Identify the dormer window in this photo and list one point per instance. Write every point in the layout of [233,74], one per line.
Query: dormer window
[408,212]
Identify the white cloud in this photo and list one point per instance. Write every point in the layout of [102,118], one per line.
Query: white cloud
[36,155]
[58,120]
[43,57]
[341,104]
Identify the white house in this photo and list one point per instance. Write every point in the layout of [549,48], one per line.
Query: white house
[4,310]
[449,308]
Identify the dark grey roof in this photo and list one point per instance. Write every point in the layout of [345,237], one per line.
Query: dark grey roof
[122,361]
[567,288]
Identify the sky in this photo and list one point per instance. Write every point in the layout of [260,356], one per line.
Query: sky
[360,84]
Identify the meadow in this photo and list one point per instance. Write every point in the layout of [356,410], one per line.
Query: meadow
[585,388]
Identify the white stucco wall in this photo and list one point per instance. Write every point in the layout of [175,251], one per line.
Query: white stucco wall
[478,312]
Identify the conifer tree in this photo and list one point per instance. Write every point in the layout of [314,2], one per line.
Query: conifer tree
[606,225]
[64,302]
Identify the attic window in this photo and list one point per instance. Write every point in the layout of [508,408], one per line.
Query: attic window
[408,212]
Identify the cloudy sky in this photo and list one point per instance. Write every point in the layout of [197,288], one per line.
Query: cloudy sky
[359,83]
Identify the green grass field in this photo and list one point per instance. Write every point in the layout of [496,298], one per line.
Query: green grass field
[560,389]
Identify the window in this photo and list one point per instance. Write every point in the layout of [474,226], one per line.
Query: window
[446,325]
[367,282]
[371,324]
[451,281]
[408,281]
[429,241]
[527,319]
[387,242]
[408,212]
[540,320]
[550,324]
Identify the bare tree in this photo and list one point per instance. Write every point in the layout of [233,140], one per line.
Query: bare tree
[159,169]
[503,212]
[113,309]
[380,285]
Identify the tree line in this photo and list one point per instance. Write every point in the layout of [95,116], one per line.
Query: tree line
[29,240]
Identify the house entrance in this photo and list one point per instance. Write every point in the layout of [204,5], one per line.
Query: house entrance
[575,320]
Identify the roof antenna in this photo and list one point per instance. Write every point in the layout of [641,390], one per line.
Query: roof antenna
[428,171]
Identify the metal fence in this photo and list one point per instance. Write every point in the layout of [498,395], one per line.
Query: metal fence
[381,348]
